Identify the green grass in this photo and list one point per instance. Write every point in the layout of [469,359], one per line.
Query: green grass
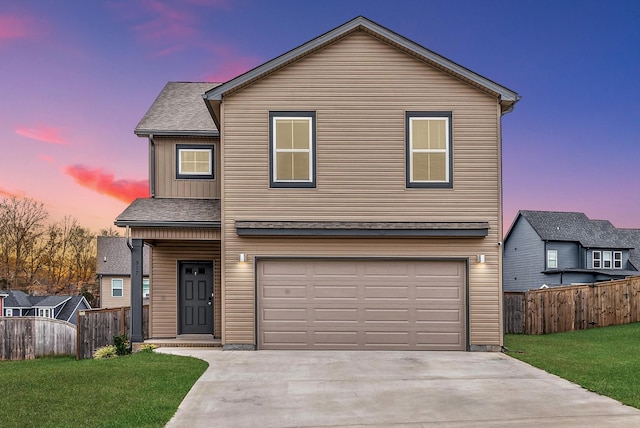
[140,390]
[604,360]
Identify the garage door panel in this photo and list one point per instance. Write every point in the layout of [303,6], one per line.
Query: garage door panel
[362,304]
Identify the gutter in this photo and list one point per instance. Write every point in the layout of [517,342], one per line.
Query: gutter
[152,167]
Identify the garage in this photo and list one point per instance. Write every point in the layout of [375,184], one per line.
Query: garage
[361,304]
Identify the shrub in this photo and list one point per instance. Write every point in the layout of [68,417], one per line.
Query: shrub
[108,351]
[147,347]
[121,342]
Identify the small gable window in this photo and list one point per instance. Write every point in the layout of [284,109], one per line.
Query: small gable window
[116,287]
[428,149]
[194,161]
[552,259]
[292,149]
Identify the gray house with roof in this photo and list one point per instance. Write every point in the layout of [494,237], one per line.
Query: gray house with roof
[113,270]
[560,248]
[61,307]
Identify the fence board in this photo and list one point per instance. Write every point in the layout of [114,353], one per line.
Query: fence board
[26,338]
[575,307]
[96,328]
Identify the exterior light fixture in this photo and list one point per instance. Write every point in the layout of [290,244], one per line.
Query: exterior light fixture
[481,258]
[243,257]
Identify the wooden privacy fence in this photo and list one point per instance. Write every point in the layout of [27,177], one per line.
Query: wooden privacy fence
[96,328]
[575,307]
[26,338]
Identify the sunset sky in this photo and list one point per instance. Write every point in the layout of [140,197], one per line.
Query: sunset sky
[76,76]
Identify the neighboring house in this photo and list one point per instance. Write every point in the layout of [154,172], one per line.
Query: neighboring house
[3,294]
[65,308]
[114,272]
[558,248]
[338,196]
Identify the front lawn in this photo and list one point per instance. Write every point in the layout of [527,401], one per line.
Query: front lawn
[605,360]
[141,390]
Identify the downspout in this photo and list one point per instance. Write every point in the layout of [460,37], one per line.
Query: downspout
[152,166]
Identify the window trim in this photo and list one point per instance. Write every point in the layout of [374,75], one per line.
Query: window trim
[549,259]
[195,147]
[409,116]
[273,182]
[604,259]
[593,260]
[121,287]
[8,312]
[617,260]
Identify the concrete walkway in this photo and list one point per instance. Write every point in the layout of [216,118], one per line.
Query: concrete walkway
[382,389]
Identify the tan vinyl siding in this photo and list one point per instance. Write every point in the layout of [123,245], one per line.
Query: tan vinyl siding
[360,89]
[168,186]
[164,304]
[108,301]
[153,233]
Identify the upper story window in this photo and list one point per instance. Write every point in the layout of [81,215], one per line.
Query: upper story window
[194,161]
[428,149]
[597,259]
[292,141]
[45,312]
[116,287]
[617,259]
[146,287]
[8,312]
[606,259]
[552,259]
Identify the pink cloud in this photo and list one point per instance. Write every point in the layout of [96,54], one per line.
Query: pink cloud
[105,183]
[46,134]
[5,193]
[46,158]
[232,67]
[15,27]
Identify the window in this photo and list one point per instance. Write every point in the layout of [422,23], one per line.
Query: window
[194,161]
[552,259]
[292,141]
[116,287]
[428,149]
[606,259]
[617,259]
[597,259]
[8,312]
[46,312]
[145,287]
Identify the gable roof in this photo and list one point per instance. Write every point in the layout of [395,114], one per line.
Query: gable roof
[573,227]
[72,305]
[178,110]
[507,97]
[632,238]
[114,257]
[49,301]
[19,299]
[171,212]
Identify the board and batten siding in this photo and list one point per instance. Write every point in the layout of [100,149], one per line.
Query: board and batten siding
[165,256]
[360,89]
[168,186]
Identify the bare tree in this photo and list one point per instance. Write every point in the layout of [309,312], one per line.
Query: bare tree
[22,225]
[109,232]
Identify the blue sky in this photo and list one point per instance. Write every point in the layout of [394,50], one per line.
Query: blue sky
[78,76]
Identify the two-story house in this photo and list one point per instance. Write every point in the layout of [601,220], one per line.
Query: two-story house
[548,248]
[113,270]
[344,195]
[62,307]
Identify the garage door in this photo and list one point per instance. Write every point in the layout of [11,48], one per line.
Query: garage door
[361,304]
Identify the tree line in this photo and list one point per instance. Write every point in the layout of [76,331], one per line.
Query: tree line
[44,258]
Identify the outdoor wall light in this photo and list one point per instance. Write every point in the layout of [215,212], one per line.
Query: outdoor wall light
[243,257]
[481,258]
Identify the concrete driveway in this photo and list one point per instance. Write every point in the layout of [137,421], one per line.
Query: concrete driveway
[365,389]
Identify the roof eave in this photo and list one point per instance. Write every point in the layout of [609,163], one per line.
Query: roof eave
[179,224]
[173,133]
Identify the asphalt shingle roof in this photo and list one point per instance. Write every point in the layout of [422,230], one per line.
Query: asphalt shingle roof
[575,227]
[179,109]
[69,308]
[17,299]
[171,212]
[114,257]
